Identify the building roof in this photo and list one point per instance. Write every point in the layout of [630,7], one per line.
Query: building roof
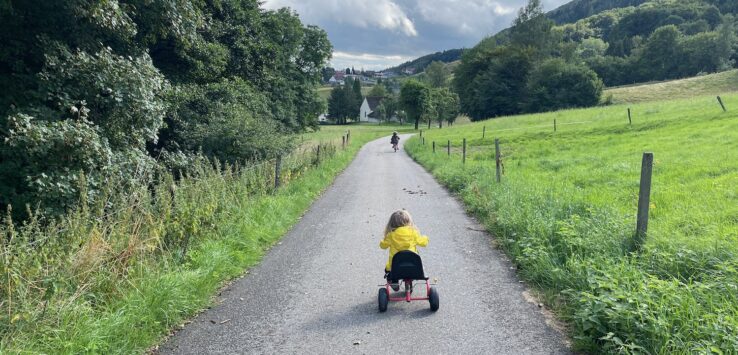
[374,102]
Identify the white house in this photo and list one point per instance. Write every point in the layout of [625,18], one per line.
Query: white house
[368,107]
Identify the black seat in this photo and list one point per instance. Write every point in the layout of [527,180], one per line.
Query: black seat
[407,265]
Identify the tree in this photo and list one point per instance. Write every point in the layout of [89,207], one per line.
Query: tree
[412,95]
[534,30]
[447,106]
[356,86]
[555,85]
[436,74]
[657,58]
[378,91]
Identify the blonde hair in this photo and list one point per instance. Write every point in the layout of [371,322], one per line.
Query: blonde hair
[399,218]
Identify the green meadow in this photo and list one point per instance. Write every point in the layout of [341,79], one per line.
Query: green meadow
[565,212]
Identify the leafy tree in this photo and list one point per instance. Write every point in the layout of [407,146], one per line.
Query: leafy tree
[555,85]
[436,74]
[531,28]
[412,95]
[659,51]
[358,96]
[378,91]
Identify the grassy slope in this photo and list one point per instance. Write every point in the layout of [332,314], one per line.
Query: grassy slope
[161,293]
[566,213]
[713,84]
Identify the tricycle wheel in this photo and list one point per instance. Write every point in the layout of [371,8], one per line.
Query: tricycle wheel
[433,299]
[383,299]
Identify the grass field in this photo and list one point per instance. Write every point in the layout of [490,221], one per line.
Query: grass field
[713,84]
[565,212]
[116,279]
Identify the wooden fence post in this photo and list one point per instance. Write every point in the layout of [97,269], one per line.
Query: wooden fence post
[721,104]
[434,147]
[343,142]
[423,140]
[318,154]
[463,156]
[554,125]
[277,171]
[421,133]
[630,120]
[484,131]
[497,159]
[644,200]
[348,136]
[448,147]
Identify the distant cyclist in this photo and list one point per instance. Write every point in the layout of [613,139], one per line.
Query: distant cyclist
[395,140]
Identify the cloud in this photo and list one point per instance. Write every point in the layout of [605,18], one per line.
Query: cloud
[384,14]
[342,60]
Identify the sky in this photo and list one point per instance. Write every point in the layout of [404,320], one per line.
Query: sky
[376,34]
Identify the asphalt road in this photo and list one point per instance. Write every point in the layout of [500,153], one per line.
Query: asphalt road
[316,291]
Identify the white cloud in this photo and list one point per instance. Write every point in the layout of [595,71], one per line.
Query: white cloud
[467,16]
[385,14]
[343,60]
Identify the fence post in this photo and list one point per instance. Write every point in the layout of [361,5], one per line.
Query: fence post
[630,120]
[463,156]
[421,133]
[277,171]
[318,154]
[348,136]
[721,104]
[644,200]
[497,158]
[343,142]
[554,125]
[434,147]
[484,131]
[423,140]
[448,147]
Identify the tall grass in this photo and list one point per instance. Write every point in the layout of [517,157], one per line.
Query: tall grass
[117,276]
[565,212]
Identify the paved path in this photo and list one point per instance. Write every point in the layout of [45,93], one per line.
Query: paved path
[316,291]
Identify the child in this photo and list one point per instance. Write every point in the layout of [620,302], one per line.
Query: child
[394,140]
[400,234]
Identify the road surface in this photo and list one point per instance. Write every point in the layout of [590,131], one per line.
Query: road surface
[316,291]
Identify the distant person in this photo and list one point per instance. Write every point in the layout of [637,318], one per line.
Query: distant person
[400,234]
[395,140]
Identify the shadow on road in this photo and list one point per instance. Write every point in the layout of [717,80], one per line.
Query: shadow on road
[366,313]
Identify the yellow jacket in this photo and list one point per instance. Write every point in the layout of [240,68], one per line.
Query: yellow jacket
[403,238]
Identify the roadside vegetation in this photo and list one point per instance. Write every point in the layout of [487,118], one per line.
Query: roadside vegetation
[566,212]
[116,280]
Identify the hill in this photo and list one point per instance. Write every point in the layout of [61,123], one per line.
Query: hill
[418,65]
[713,84]
[565,214]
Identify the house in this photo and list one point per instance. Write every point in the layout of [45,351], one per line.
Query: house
[367,112]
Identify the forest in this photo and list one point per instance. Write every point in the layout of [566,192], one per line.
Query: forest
[95,91]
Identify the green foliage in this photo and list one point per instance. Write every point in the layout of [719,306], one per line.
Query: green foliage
[344,103]
[565,213]
[243,80]
[421,63]
[436,74]
[555,85]
[412,96]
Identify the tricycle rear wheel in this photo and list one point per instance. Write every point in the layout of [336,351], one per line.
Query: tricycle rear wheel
[383,299]
[433,299]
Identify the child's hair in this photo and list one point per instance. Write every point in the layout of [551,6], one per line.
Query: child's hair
[399,218]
